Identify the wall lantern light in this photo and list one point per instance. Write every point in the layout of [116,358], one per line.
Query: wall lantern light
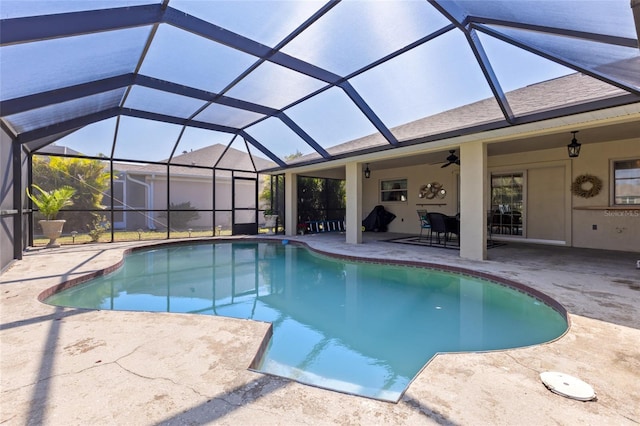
[574,147]
[367,172]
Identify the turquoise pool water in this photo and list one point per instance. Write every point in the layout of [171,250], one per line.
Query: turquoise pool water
[355,327]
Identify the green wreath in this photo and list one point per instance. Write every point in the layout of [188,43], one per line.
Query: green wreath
[586,186]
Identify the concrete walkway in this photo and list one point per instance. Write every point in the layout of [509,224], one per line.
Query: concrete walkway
[76,367]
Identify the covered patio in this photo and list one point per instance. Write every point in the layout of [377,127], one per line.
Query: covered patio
[69,366]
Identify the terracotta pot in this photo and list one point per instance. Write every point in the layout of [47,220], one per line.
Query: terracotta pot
[52,229]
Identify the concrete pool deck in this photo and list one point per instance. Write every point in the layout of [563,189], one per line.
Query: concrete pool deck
[70,366]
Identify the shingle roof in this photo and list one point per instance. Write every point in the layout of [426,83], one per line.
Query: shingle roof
[569,90]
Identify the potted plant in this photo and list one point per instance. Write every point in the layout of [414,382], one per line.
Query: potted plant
[271,220]
[49,204]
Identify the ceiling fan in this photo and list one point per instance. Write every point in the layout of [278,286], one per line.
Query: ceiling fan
[451,159]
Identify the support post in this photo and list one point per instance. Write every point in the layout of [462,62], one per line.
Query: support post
[354,203]
[473,197]
[18,206]
[635,7]
[291,203]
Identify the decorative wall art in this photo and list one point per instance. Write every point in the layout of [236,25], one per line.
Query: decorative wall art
[432,190]
[586,186]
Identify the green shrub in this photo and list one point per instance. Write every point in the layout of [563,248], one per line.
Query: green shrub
[181,215]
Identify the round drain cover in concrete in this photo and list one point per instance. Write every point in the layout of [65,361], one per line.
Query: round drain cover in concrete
[566,385]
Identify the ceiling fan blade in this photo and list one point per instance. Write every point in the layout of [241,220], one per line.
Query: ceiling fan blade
[451,159]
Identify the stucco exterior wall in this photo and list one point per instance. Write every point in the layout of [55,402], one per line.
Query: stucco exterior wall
[406,220]
[553,214]
[615,229]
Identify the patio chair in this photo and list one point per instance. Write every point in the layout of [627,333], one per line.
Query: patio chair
[444,225]
[490,225]
[424,223]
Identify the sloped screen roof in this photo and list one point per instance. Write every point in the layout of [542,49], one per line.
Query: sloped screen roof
[295,81]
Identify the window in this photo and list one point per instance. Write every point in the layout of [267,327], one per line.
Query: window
[507,203]
[626,182]
[394,190]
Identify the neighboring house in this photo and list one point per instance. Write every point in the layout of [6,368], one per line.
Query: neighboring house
[139,189]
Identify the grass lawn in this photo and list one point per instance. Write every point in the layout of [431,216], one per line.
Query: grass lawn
[84,238]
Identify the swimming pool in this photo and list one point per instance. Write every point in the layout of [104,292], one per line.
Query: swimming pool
[355,327]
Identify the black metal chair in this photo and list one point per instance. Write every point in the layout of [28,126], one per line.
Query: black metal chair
[444,225]
[490,225]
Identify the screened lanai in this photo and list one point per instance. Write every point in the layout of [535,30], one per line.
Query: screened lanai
[228,92]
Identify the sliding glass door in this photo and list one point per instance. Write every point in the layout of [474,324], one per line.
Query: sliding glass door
[507,203]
